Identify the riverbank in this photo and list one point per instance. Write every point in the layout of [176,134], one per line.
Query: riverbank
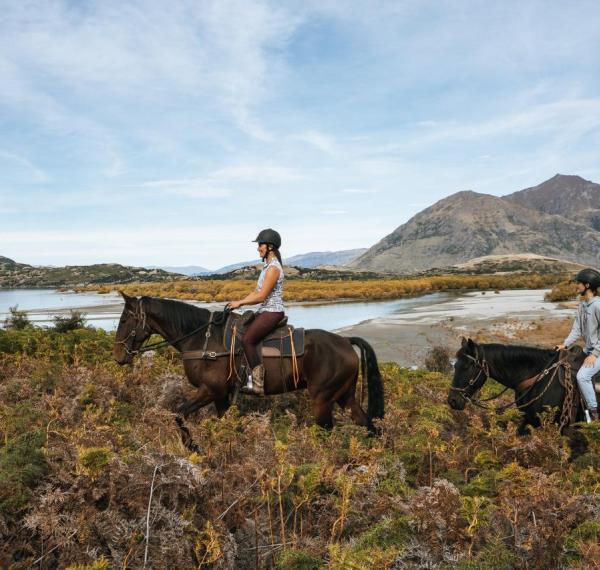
[519,317]
[401,330]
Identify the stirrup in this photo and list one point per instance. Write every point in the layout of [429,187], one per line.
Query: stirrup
[256,382]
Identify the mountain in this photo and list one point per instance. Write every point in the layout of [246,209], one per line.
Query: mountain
[570,196]
[189,270]
[316,258]
[467,224]
[307,260]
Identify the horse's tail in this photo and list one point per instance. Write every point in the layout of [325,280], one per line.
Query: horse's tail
[375,406]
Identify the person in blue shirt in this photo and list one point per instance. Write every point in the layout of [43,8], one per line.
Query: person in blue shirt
[587,326]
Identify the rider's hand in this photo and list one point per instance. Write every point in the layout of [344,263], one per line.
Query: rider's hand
[589,361]
[560,347]
[234,305]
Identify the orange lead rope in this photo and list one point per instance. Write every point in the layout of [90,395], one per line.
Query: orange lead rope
[295,370]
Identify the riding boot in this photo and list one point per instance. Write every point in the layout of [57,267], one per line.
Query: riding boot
[256,382]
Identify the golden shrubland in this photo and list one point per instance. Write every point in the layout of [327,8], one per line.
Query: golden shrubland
[93,475]
[334,289]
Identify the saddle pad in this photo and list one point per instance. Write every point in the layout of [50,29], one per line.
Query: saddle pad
[279,345]
[276,343]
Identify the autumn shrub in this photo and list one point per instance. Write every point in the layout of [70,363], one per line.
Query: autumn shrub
[207,290]
[563,291]
[75,320]
[93,472]
[438,360]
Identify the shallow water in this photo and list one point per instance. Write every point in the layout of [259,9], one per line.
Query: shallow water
[103,311]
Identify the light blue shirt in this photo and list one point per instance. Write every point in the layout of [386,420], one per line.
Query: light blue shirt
[587,326]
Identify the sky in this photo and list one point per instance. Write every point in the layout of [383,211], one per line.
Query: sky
[169,133]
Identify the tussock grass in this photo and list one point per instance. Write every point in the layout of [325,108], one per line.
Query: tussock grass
[334,289]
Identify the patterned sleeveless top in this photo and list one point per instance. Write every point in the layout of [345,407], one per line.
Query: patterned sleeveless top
[274,302]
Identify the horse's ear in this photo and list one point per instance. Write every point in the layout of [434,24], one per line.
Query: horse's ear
[471,344]
[125,296]
[463,341]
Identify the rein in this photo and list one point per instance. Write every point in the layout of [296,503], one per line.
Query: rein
[140,316]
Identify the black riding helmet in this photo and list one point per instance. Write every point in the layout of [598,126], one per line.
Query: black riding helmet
[590,277]
[269,236]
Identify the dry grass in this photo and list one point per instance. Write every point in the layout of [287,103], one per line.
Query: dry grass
[92,475]
[310,290]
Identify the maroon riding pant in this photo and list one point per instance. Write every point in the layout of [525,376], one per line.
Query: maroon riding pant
[258,329]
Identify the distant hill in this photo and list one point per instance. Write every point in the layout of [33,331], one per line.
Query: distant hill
[308,260]
[316,258]
[510,263]
[184,269]
[13,274]
[469,225]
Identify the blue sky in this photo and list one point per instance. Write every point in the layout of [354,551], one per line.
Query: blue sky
[169,133]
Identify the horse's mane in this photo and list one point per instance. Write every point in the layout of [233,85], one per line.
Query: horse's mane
[183,316]
[508,359]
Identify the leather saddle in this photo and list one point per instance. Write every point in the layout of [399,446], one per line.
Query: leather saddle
[284,341]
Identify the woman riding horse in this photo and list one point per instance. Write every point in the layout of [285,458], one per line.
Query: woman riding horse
[587,325]
[269,293]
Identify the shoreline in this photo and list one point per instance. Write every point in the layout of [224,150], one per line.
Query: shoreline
[406,329]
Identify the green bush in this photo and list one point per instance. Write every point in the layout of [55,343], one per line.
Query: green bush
[16,320]
[73,322]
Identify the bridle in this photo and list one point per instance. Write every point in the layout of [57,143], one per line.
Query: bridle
[483,368]
[140,319]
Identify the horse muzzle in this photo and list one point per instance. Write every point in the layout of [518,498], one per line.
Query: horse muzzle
[456,401]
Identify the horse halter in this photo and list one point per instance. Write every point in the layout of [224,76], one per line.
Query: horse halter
[140,319]
[484,369]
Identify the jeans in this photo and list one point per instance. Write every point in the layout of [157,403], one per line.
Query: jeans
[586,386]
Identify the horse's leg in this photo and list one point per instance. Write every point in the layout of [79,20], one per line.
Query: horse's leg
[222,405]
[203,397]
[358,414]
[323,413]
[523,427]
[348,400]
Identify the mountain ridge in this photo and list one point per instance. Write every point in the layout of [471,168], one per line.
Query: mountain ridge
[468,224]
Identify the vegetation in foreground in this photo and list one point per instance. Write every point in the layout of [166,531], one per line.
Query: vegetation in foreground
[335,289]
[93,475]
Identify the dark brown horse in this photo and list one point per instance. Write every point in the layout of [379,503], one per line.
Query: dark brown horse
[513,366]
[329,369]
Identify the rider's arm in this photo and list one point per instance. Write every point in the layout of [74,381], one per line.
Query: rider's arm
[258,296]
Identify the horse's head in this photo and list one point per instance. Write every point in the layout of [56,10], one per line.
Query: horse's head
[132,331]
[470,373]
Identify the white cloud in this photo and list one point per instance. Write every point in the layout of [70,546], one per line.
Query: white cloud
[359,190]
[253,173]
[36,174]
[333,212]
[189,187]
[146,50]
[319,140]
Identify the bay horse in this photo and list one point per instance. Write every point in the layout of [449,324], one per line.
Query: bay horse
[533,373]
[329,368]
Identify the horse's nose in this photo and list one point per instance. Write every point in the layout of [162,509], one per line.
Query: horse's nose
[456,403]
